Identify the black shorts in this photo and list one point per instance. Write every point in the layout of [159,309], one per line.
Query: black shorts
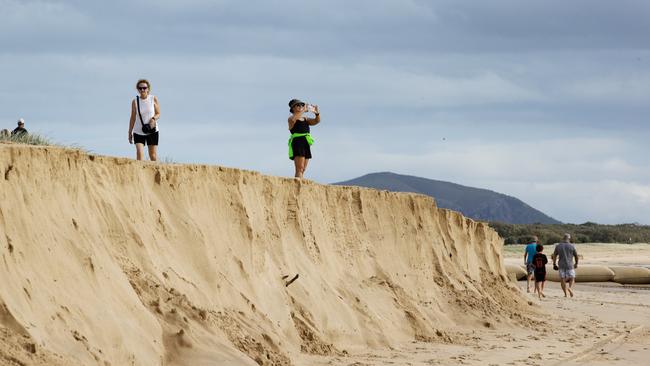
[301,147]
[540,276]
[150,139]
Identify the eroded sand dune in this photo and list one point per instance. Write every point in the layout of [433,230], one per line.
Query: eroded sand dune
[112,261]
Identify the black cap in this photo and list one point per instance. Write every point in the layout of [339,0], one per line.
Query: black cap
[294,102]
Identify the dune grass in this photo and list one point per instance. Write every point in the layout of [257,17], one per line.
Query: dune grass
[35,139]
[40,140]
[28,139]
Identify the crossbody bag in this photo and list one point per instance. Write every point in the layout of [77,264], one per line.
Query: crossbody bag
[146,128]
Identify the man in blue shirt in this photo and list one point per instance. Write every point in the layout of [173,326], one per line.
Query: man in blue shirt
[529,253]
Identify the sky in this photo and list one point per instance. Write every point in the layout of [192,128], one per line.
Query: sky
[547,101]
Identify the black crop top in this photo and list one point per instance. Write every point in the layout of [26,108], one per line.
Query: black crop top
[301,126]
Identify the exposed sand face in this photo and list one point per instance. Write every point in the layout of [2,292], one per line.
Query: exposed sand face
[112,261]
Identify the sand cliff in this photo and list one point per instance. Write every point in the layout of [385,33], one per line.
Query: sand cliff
[109,261]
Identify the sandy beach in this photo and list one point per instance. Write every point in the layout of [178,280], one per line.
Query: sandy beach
[604,324]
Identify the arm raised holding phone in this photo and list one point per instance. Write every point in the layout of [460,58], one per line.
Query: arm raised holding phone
[314,109]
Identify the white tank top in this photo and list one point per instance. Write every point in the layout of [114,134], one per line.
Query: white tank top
[147,110]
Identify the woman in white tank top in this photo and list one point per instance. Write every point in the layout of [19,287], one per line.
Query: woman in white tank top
[145,110]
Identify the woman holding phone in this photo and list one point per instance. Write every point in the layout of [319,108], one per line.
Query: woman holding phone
[301,140]
[143,125]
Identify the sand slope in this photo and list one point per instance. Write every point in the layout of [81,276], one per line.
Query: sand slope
[108,261]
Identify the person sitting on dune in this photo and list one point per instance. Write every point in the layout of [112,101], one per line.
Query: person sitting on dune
[20,130]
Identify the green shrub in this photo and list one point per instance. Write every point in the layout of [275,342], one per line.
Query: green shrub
[588,232]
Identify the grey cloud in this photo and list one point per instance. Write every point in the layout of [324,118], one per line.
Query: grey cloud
[522,91]
[578,201]
[335,27]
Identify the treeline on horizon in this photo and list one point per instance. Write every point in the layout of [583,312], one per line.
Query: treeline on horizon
[589,232]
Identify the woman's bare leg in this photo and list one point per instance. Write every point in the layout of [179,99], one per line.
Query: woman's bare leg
[139,151]
[299,164]
[304,166]
[153,152]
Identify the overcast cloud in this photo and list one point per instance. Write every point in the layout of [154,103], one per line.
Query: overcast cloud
[547,101]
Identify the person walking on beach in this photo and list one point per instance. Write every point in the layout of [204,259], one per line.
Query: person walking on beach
[146,111]
[301,140]
[20,130]
[529,253]
[539,261]
[567,254]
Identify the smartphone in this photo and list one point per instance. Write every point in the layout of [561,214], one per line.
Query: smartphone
[310,108]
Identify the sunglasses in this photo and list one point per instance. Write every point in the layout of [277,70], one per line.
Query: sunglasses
[143,87]
[300,105]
